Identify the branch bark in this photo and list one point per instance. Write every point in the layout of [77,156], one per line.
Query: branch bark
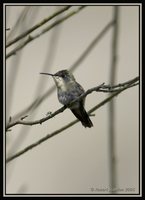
[24,34]
[83,55]
[50,135]
[31,38]
[100,88]
[111,117]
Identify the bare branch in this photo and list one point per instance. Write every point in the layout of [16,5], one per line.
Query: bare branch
[111,117]
[51,50]
[97,89]
[24,117]
[31,38]
[24,34]
[70,124]
[92,45]
[85,53]
[20,19]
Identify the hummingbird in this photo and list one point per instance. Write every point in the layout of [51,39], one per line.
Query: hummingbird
[67,91]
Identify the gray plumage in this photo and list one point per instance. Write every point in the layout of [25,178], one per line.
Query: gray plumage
[68,90]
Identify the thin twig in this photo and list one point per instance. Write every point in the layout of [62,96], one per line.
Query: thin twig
[24,131]
[40,121]
[20,25]
[20,19]
[40,99]
[24,117]
[24,34]
[114,90]
[64,127]
[91,45]
[31,38]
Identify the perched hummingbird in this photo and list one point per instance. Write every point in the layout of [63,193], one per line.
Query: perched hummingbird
[68,90]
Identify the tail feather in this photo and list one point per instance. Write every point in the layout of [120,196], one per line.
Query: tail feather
[82,115]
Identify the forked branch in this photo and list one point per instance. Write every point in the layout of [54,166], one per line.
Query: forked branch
[100,88]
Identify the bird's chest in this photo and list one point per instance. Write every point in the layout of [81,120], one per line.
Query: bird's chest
[66,96]
[68,93]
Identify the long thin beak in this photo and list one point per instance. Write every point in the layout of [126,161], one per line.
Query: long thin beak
[47,74]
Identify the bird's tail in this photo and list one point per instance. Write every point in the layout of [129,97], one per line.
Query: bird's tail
[82,115]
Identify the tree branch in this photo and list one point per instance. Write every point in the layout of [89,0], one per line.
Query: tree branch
[100,88]
[111,113]
[71,123]
[84,54]
[24,34]
[31,38]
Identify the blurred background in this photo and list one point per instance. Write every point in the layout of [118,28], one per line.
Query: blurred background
[77,160]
